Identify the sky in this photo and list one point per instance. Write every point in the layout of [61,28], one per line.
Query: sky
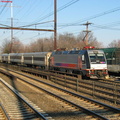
[104,16]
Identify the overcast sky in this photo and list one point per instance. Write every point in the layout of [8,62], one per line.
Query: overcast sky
[71,14]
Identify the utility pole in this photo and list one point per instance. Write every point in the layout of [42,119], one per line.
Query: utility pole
[11,23]
[12,41]
[50,30]
[87,31]
[55,24]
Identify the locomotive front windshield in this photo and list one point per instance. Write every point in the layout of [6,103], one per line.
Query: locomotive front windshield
[97,58]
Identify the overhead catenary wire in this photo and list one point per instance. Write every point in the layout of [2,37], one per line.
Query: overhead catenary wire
[79,22]
[3,7]
[37,23]
[58,10]
[91,17]
[105,27]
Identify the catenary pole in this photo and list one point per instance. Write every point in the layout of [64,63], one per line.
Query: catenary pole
[87,31]
[11,22]
[55,24]
[16,28]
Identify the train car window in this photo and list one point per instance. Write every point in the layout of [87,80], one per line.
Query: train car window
[117,56]
[39,58]
[92,56]
[65,52]
[15,57]
[97,58]
[70,52]
[100,56]
[27,58]
[74,52]
[53,53]
[83,59]
[58,52]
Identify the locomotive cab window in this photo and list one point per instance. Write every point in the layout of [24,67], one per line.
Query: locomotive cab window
[97,58]
[83,59]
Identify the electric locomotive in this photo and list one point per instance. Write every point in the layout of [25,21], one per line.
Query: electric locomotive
[88,63]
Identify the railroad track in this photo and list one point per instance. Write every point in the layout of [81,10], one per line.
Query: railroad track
[80,104]
[16,106]
[3,114]
[104,90]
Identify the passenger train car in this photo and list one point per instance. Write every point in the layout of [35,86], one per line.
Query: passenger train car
[4,58]
[113,59]
[85,62]
[37,59]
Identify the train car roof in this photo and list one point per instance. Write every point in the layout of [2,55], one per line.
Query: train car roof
[110,52]
[29,53]
[113,49]
[37,53]
[5,54]
[76,52]
[15,53]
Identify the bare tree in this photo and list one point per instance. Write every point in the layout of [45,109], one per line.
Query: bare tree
[66,40]
[6,46]
[114,43]
[40,45]
[92,41]
[15,47]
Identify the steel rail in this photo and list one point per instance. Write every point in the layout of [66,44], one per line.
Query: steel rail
[4,112]
[73,104]
[69,92]
[98,90]
[107,106]
[66,101]
[16,93]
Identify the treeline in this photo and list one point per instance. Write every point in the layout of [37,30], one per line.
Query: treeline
[65,40]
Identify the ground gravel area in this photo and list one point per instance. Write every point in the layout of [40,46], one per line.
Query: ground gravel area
[56,109]
[48,104]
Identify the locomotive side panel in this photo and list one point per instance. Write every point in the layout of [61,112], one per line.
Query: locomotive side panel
[66,61]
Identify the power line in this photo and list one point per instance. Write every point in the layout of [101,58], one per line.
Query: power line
[92,17]
[59,9]
[105,27]
[3,7]
[37,24]
[67,5]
